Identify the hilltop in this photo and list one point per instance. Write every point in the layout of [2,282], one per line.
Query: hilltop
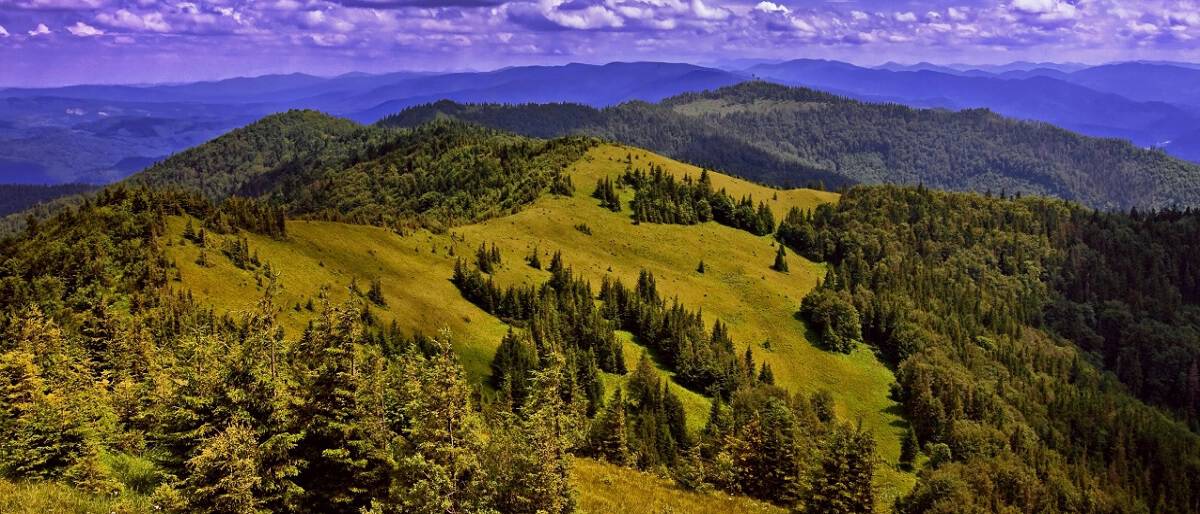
[796,137]
[314,315]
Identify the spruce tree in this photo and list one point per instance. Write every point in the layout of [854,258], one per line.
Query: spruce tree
[908,450]
[781,264]
[610,435]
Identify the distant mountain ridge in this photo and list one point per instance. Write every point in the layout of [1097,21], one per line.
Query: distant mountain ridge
[67,134]
[796,137]
[1106,101]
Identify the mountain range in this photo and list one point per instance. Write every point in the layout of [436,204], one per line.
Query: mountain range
[790,137]
[98,134]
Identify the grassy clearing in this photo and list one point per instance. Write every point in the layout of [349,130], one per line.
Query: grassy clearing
[53,498]
[604,488]
[738,287]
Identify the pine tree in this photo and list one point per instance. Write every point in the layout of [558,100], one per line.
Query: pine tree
[375,293]
[224,476]
[515,359]
[700,268]
[766,376]
[908,450]
[781,264]
[610,435]
[842,482]
[534,259]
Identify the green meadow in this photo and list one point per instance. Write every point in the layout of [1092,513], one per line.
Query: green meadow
[737,287]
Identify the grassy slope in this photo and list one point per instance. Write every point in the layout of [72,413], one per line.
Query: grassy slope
[738,287]
[49,497]
[604,488]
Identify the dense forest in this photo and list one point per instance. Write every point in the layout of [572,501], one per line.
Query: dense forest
[317,166]
[15,198]
[1046,354]
[969,297]
[798,137]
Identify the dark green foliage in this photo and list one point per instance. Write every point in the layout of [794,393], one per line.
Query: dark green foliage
[832,315]
[765,375]
[814,139]
[842,481]
[227,414]
[312,165]
[609,439]
[560,317]
[661,199]
[534,260]
[584,229]
[700,268]
[607,194]
[780,263]
[956,291]
[515,359]
[375,293]
[15,198]
[703,360]
[487,260]
[908,450]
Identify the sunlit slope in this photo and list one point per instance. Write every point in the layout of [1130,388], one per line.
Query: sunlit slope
[738,286]
[603,488]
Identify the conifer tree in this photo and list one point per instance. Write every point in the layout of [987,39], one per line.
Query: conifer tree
[781,264]
[224,474]
[908,450]
[375,293]
[610,435]
[842,482]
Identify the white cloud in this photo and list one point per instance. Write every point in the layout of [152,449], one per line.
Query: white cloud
[123,18]
[766,6]
[705,12]
[329,39]
[906,17]
[591,17]
[81,29]
[3,31]
[859,15]
[1047,10]
[956,14]
[1143,28]
[40,30]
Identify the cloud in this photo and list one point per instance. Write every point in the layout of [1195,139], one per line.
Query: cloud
[956,14]
[906,17]
[771,7]
[40,30]
[400,4]
[3,31]
[705,12]
[54,5]
[149,22]
[81,29]
[1047,10]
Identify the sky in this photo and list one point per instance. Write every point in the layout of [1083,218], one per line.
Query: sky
[56,42]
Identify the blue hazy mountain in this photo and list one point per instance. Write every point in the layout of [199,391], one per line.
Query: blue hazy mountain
[1043,96]
[94,133]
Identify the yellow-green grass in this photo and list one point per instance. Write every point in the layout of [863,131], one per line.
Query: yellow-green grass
[604,488]
[738,286]
[54,498]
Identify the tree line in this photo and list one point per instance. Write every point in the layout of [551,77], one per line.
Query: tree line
[968,296]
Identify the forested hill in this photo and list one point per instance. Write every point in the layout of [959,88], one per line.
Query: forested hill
[794,137]
[312,165]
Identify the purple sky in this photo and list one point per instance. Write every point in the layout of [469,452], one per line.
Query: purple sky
[52,42]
